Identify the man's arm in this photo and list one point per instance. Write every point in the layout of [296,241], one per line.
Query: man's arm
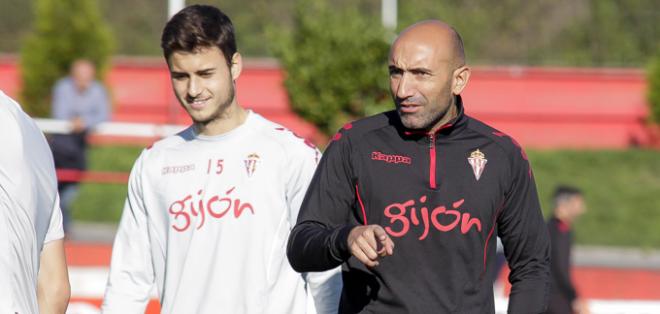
[526,241]
[53,290]
[131,275]
[323,238]
[325,287]
[318,242]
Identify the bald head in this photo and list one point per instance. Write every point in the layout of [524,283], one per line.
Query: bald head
[427,71]
[436,35]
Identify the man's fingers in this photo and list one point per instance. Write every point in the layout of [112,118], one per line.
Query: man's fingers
[369,236]
[385,244]
[359,254]
[368,243]
[365,245]
[389,246]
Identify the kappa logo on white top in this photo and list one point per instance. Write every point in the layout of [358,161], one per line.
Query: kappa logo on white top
[477,161]
[251,163]
[177,169]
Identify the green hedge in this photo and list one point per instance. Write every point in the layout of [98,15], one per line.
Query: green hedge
[64,31]
[335,62]
[620,188]
[653,77]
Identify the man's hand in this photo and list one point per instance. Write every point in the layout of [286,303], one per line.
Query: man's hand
[77,125]
[369,243]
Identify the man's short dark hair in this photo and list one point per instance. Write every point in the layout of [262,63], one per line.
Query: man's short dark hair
[197,27]
[564,193]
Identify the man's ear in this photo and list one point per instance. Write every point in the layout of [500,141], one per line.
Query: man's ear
[461,77]
[236,66]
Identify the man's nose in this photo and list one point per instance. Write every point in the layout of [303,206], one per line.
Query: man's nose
[405,87]
[194,87]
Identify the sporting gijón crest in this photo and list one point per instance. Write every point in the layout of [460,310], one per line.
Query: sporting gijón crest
[251,163]
[477,161]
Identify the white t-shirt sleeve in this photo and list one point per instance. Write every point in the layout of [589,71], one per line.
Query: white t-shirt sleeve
[325,287]
[301,164]
[131,275]
[55,229]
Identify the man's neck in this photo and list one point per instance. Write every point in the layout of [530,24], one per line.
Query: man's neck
[234,117]
[452,112]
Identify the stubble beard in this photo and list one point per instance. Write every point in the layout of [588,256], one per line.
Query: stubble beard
[220,111]
[420,120]
[426,119]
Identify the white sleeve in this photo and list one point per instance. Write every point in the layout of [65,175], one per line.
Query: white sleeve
[325,287]
[131,270]
[55,230]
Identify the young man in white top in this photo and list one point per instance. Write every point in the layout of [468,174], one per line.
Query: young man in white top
[33,273]
[210,209]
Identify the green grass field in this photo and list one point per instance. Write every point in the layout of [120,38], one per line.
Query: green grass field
[622,189]
[104,202]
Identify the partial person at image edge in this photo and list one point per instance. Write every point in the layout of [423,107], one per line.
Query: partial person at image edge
[33,271]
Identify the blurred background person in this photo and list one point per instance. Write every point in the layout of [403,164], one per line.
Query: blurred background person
[80,99]
[568,205]
[33,272]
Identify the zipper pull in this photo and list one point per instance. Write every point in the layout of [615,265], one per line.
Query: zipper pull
[431,140]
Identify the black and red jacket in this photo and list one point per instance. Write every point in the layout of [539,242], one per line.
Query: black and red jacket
[442,198]
[562,290]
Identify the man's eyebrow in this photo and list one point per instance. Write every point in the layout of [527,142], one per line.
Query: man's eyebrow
[420,70]
[393,67]
[207,70]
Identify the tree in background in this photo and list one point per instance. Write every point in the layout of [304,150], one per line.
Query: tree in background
[335,63]
[64,30]
[653,76]
[612,33]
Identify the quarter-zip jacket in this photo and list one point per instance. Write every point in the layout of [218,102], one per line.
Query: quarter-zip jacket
[442,198]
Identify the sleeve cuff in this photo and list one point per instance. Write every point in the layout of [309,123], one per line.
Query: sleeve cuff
[340,250]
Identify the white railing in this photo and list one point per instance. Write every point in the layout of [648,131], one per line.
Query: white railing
[123,129]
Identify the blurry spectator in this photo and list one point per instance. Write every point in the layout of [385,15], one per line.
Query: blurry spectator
[568,205]
[83,101]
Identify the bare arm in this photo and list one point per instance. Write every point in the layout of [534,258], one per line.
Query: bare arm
[53,290]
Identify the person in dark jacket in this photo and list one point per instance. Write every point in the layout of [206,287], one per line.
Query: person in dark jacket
[568,205]
[410,201]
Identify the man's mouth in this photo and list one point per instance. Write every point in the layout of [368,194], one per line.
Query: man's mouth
[409,108]
[198,103]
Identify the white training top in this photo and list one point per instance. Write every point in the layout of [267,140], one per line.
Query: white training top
[208,218]
[29,207]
